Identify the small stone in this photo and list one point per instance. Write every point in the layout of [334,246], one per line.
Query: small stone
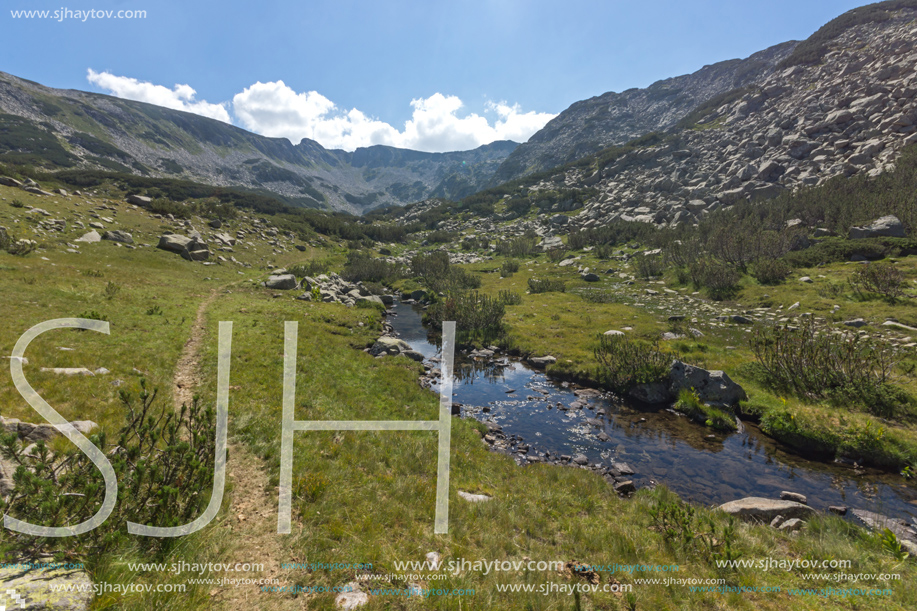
[793,496]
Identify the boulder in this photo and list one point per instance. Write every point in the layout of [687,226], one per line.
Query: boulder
[793,496]
[765,510]
[90,238]
[542,361]
[139,200]
[389,345]
[551,242]
[10,182]
[118,236]
[282,282]
[590,277]
[651,393]
[215,224]
[44,588]
[191,248]
[173,242]
[887,226]
[713,387]
[474,498]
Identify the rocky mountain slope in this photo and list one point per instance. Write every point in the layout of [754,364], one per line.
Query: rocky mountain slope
[615,118]
[848,113]
[66,128]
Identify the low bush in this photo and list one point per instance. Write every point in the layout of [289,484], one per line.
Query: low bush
[360,267]
[510,297]
[477,316]
[546,285]
[648,266]
[815,365]
[881,278]
[509,267]
[557,254]
[625,363]
[771,271]
[522,246]
[720,280]
[690,404]
[163,461]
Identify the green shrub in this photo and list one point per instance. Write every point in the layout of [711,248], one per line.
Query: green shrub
[557,254]
[648,266]
[360,267]
[13,246]
[720,280]
[522,246]
[690,404]
[881,278]
[163,460]
[510,297]
[509,267]
[477,316]
[315,267]
[625,363]
[546,285]
[771,271]
[818,365]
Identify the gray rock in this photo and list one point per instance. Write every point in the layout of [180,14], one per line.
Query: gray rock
[580,459]
[542,361]
[590,277]
[838,509]
[793,496]
[389,345]
[139,200]
[765,510]
[215,223]
[792,525]
[651,393]
[282,282]
[10,182]
[172,242]
[118,236]
[474,498]
[44,589]
[625,487]
[413,355]
[714,387]
[90,238]
[887,226]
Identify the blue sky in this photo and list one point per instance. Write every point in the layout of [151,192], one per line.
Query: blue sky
[427,75]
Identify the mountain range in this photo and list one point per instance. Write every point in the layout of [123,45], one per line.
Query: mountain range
[792,115]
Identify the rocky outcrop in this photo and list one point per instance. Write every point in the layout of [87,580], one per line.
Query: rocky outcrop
[192,248]
[282,282]
[765,510]
[887,226]
[119,236]
[44,589]
[712,387]
[616,118]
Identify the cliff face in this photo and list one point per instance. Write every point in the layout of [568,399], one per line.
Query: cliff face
[615,118]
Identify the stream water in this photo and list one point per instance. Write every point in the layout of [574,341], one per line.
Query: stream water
[694,461]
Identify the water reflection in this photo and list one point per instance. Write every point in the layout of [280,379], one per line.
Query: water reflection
[698,463]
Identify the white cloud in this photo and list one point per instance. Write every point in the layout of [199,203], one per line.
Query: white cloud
[181,97]
[276,110]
